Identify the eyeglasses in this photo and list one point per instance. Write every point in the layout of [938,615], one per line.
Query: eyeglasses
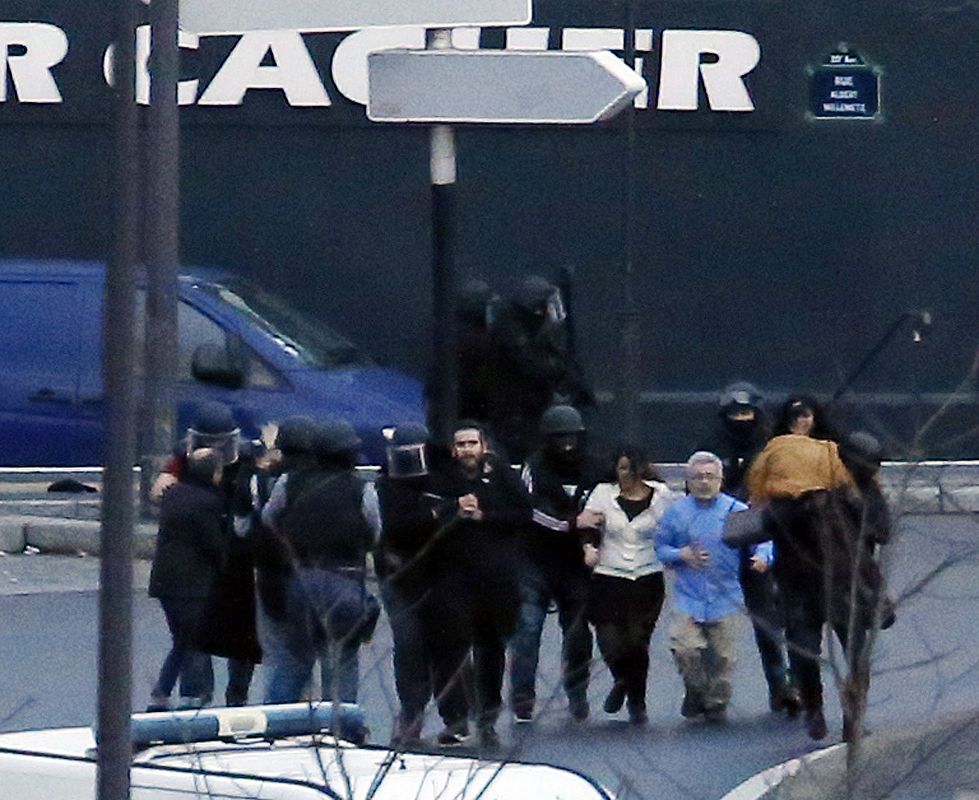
[703,476]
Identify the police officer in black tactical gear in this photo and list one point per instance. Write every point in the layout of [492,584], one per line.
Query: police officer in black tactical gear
[328,519]
[533,363]
[409,523]
[741,434]
[558,476]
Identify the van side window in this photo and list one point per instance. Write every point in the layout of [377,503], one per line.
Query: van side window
[195,329]
[44,330]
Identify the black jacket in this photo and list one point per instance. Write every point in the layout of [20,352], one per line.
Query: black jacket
[488,548]
[409,523]
[191,543]
[558,492]
[825,541]
[736,449]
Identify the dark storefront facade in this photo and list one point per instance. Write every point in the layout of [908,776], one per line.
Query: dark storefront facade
[783,214]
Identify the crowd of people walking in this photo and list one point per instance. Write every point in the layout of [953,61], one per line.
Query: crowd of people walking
[266,556]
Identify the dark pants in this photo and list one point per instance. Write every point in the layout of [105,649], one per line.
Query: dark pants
[239,679]
[412,659]
[806,613]
[768,621]
[191,666]
[624,613]
[568,588]
[471,619]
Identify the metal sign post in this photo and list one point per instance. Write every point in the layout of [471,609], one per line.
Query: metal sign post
[445,395]
[443,86]
[162,245]
[116,566]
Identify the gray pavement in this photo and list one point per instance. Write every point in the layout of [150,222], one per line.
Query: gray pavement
[925,670]
[36,573]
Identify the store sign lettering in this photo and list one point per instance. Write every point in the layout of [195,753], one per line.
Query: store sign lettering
[719,61]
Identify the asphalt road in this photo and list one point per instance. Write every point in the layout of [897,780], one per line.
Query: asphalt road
[925,667]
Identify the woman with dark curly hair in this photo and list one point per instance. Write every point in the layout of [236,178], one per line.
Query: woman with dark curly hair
[802,414]
[627,587]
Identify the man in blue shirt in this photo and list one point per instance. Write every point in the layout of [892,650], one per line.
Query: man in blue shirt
[707,591]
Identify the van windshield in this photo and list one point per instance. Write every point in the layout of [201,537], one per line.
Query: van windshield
[296,332]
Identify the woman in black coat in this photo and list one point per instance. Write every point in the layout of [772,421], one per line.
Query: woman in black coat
[190,549]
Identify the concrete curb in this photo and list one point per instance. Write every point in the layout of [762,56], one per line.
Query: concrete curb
[12,535]
[935,758]
[69,523]
[53,535]
[757,786]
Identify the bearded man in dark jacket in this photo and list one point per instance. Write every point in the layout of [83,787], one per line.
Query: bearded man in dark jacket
[474,598]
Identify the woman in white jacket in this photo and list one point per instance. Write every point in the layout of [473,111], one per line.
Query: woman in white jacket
[627,587]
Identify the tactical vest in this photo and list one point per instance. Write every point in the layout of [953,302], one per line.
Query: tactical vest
[323,521]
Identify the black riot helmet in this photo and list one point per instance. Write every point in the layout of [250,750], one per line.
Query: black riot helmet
[295,435]
[336,442]
[539,296]
[214,426]
[407,452]
[533,293]
[562,431]
[739,395]
[561,419]
[739,407]
[861,453]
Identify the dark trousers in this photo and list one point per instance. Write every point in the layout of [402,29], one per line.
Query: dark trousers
[625,613]
[184,662]
[768,621]
[239,679]
[568,588]
[806,613]
[412,659]
[469,622]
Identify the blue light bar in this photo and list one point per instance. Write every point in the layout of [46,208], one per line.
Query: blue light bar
[343,720]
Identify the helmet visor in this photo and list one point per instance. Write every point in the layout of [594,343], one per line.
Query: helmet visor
[225,443]
[407,461]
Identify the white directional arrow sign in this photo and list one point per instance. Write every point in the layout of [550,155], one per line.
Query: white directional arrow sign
[235,16]
[498,86]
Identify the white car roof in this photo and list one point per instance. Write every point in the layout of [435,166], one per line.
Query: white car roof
[297,764]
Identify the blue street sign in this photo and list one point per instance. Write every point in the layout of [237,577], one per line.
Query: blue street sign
[844,87]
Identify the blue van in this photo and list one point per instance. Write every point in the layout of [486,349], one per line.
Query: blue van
[237,344]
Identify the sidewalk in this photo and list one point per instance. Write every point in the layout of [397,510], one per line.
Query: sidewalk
[31,573]
[936,760]
[30,516]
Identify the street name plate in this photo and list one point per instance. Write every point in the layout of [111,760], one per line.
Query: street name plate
[498,86]
[236,16]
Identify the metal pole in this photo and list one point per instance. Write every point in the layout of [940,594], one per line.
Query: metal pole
[115,595]
[445,348]
[629,317]
[162,245]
